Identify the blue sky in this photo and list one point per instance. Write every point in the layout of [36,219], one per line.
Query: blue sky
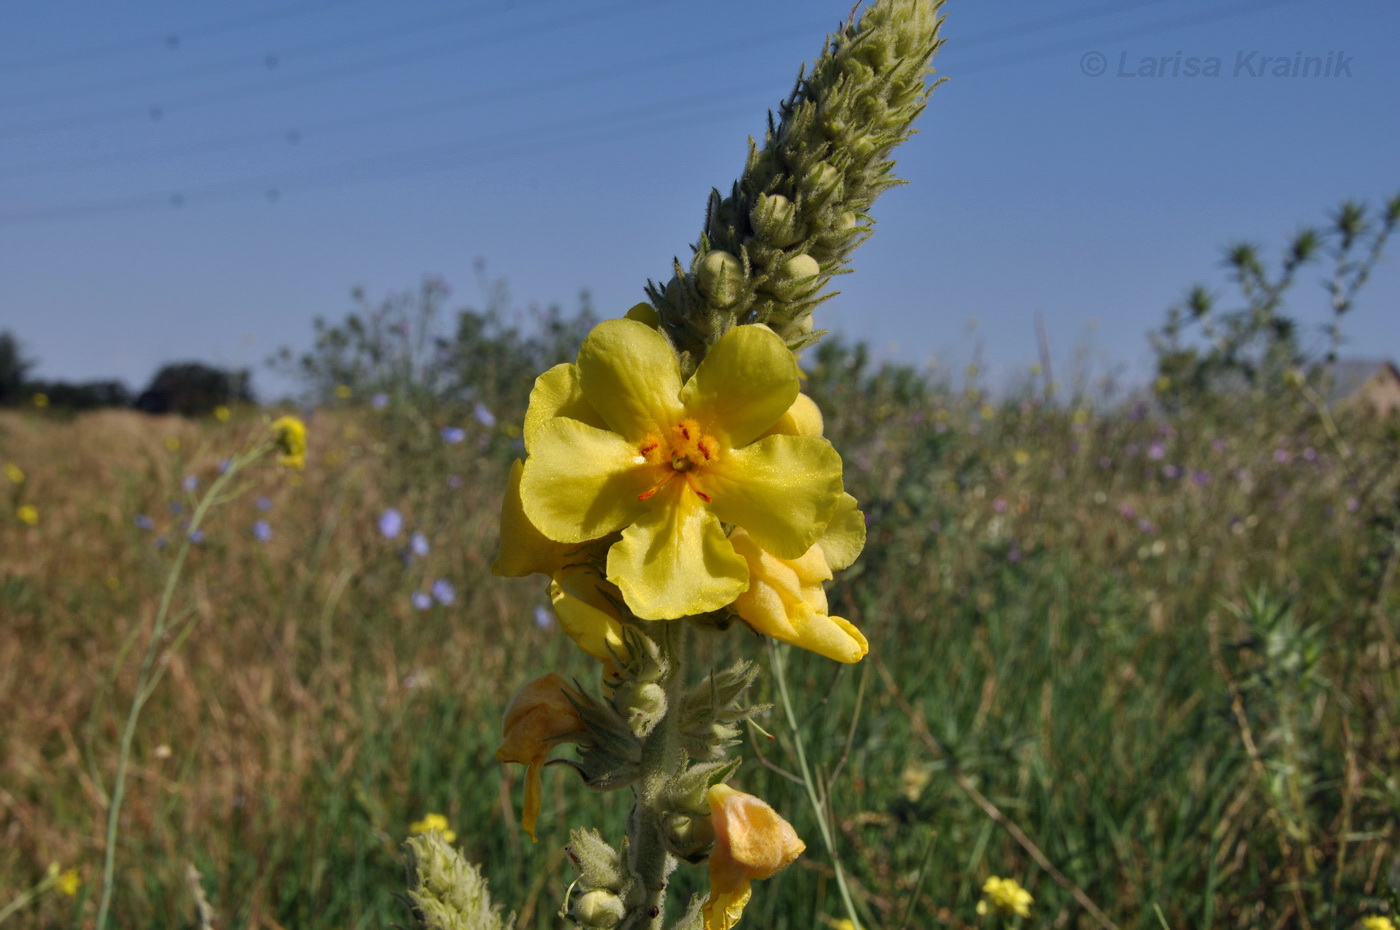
[199,180]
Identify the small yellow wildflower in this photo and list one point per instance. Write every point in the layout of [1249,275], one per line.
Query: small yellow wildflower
[1021,457]
[431,822]
[843,924]
[290,433]
[1081,415]
[41,400]
[68,883]
[988,412]
[14,473]
[342,391]
[1377,922]
[28,514]
[222,413]
[1162,384]
[172,443]
[1004,897]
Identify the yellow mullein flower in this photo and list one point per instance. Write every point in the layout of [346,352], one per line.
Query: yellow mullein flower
[27,514]
[432,822]
[668,463]
[1004,897]
[14,473]
[539,716]
[1377,922]
[222,413]
[785,598]
[41,400]
[579,593]
[290,433]
[752,841]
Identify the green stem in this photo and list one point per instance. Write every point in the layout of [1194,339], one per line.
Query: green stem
[25,897]
[143,691]
[828,837]
[648,860]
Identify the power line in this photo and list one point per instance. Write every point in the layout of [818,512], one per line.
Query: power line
[658,115]
[366,66]
[440,158]
[244,62]
[454,103]
[170,41]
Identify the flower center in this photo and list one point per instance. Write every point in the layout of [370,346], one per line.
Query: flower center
[684,451]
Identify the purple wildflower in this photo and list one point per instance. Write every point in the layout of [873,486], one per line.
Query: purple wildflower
[191,483]
[262,531]
[484,416]
[264,504]
[544,618]
[1156,452]
[390,523]
[453,434]
[144,522]
[379,401]
[421,600]
[443,592]
[418,544]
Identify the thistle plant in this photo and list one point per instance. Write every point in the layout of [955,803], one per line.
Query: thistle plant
[676,477]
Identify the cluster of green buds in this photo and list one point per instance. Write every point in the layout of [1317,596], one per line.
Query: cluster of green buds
[771,246]
[676,479]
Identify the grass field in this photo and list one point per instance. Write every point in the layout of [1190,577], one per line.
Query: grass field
[1156,654]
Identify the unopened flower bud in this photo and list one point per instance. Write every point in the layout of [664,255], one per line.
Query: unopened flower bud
[720,278]
[688,837]
[598,909]
[641,703]
[795,277]
[821,182]
[597,863]
[774,219]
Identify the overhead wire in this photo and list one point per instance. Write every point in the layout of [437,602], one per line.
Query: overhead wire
[171,40]
[360,68]
[264,60]
[334,174]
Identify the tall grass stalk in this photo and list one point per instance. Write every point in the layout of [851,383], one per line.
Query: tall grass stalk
[151,672]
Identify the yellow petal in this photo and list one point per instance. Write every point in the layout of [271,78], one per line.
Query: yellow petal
[749,834]
[524,549]
[745,384]
[782,489]
[534,797]
[803,418]
[630,375]
[723,908]
[675,560]
[845,534]
[582,482]
[584,613]
[785,600]
[644,313]
[557,394]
